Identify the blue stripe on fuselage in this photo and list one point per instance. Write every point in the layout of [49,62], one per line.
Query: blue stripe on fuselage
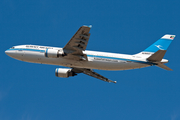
[35,50]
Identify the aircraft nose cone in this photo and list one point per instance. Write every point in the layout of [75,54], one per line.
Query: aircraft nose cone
[8,52]
[14,54]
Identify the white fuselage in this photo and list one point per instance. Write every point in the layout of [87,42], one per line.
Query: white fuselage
[96,60]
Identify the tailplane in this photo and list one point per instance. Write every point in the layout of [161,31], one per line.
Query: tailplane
[163,66]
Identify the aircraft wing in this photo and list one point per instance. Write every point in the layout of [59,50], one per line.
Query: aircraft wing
[77,44]
[92,74]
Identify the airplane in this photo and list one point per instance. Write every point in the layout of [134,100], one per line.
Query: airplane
[80,60]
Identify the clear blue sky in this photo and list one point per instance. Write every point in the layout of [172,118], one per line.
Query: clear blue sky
[32,92]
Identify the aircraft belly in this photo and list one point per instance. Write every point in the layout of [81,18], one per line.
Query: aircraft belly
[113,65]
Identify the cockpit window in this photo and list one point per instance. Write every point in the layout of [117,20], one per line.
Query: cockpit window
[12,48]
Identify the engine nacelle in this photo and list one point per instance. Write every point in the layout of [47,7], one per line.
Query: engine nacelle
[64,72]
[52,53]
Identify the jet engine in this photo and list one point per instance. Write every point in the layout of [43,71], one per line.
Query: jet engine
[52,53]
[64,72]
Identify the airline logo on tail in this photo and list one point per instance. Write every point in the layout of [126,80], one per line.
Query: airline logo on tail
[159,46]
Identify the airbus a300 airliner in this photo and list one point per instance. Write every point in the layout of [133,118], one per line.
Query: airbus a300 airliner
[80,60]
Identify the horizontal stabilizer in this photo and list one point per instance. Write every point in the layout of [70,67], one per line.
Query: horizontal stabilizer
[164,67]
[157,56]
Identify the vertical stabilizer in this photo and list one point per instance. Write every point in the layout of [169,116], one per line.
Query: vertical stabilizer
[161,44]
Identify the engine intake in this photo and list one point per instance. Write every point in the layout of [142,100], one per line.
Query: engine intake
[52,53]
[64,72]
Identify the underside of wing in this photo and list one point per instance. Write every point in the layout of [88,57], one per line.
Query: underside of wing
[77,44]
[92,74]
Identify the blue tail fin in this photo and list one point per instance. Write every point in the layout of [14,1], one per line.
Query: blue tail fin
[161,44]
